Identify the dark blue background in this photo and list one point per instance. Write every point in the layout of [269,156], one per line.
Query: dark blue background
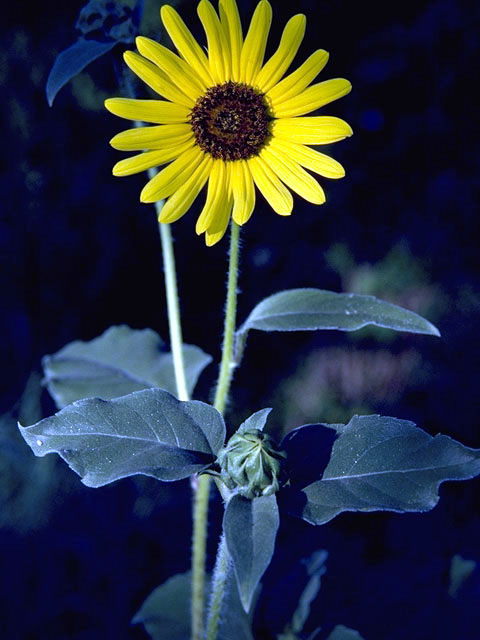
[79,253]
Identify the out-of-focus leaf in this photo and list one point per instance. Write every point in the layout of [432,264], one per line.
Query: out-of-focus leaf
[256,421]
[72,61]
[316,569]
[311,309]
[166,612]
[382,463]
[460,570]
[343,633]
[119,362]
[102,25]
[147,432]
[250,528]
[106,20]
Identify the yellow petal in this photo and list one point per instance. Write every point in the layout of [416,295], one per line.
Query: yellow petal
[186,44]
[297,81]
[157,111]
[309,158]
[232,26]
[177,70]
[144,161]
[219,224]
[218,53]
[166,135]
[311,130]
[216,195]
[292,174]
[253,50]
[313,98]
[273,190]
[156,79]
[181,201]
[216,232]
[291,39]
[243,190]
[172,177]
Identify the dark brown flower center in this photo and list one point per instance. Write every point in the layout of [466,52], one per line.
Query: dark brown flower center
[230,121]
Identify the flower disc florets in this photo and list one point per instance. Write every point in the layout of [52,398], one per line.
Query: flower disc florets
[251,464]
[230,121]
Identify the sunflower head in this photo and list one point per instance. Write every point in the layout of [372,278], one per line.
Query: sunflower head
[229,118]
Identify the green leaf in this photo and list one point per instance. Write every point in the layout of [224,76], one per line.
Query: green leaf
[72,61]
[256,421]
[343,633]
[166,611]
[147,432]
[312,309]
[119,362]
[250,528]
[381,463]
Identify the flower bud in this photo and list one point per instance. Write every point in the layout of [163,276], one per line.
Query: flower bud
[251,463]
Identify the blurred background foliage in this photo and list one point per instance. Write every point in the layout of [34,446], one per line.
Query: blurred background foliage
[79,253]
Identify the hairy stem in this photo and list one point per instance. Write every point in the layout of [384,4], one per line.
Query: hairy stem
[227,367]
[227,364]
[219,580]
[200,509]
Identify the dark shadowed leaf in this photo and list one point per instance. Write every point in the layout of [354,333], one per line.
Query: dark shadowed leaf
[311,309]
[72,61]
[255,421]
[250,528]
[308,450]
[166,611]
[119,362]
[381,463]
[343,633]
[147,432]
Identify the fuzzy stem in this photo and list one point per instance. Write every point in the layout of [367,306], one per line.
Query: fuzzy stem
[225,375]
[200,508]
[219,580]
[227,365]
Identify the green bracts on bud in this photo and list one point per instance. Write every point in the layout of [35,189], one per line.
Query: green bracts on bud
[251,464]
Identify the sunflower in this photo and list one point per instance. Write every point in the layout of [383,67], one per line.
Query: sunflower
[229,118]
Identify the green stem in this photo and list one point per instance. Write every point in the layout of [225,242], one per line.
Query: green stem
[225,375]
[220,575]
[200,508]
[227,364]
[199,550]
[173,307]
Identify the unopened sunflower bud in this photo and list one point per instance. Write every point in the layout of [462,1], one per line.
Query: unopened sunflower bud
[251,464]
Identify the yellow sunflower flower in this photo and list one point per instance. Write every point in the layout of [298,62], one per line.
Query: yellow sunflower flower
[229,118]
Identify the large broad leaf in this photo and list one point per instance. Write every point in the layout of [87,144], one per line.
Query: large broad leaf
[250,528]
[311,309]
[73,60]
[147,432]
[166,612]
[118,362]
[381,463]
